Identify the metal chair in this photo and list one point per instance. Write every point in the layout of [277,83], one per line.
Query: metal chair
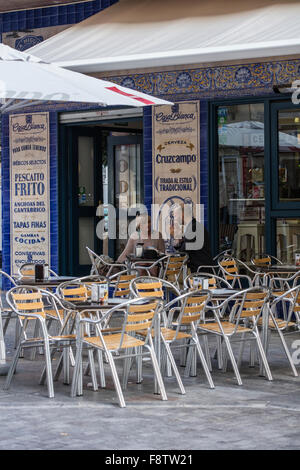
[183,316]
[103,265]
[29,303]
[121,285]
[79,291]
[175,266]
[149,286]
[122,342]
[193,280]
[28,270]
[246,308]
[288,305]
[264,260]
[230,271]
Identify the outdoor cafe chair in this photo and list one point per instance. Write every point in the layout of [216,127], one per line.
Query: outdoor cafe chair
[196,281]
[121,342]
[174,268]
[193,281]
[28,270]
[148,266]
[103,265]
[29,303]
[230,271]
[284,318]
[149,286]
[245,310]
[122,285]
[76,292]
[183,316]
[264,260]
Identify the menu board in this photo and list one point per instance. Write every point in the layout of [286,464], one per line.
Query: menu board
[176,157]
[29,189]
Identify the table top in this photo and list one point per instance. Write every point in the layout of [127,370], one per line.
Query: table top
[51,281]
[134,259]
[112,302]
[277,268]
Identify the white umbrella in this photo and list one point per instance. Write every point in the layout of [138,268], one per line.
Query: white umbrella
[251,134]
[25,77]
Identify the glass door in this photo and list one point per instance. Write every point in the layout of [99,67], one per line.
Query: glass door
[241,163]
[81,190]
[125,182]
[285,171]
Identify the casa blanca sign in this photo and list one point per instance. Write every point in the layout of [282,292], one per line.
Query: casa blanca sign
[175,157]
[29,189]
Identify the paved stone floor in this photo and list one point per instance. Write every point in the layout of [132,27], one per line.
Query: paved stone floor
[257,415]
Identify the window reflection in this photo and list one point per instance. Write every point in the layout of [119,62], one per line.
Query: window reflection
[241,179]
[289,155]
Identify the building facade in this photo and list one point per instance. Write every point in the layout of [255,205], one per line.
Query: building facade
[247,146]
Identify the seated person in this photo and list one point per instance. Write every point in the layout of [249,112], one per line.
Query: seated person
[192,240]
[145,235]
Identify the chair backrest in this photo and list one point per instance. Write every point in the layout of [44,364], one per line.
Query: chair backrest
[74,292]
[27,270]
[191,309]
[149,289]
[174,266]
[250,305]
[139,316]
[264,260]
[229,266]
[26,303]
[122,285]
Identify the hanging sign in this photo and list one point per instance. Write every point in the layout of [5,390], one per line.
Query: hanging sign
[29,189]
[176,156]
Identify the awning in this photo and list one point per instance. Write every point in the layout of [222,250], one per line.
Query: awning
[148,33]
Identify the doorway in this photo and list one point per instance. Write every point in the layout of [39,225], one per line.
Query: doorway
[101,163]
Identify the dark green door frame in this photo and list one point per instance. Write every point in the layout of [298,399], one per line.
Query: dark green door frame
[69,212]
[272,210]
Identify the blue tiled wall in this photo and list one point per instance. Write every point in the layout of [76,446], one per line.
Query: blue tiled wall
[6,194]
[51,16]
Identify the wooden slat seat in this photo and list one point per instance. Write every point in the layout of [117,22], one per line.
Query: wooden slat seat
[280,323]
[228,327]
[168,334]
[113,341]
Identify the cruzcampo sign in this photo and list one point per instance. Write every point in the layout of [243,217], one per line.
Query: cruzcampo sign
[29,189]
[176,154]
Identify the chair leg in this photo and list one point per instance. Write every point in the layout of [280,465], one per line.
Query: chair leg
[92,368]
[203,362]
[263,355]
[77,374]
[48,368]
[116,380]
[139,367]
[207,354]
[101,369]
[233,362]
[126,371]
[157,371]
[13,367]
[183,354]
[174,367]
[241,351]
[219,352]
